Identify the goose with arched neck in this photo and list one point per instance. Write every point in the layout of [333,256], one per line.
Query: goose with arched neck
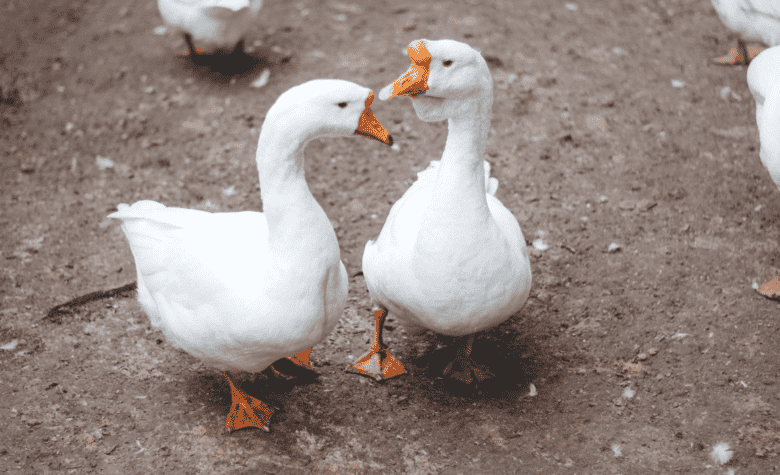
[242,290]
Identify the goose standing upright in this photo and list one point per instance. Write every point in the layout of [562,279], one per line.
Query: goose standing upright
[450,257]
[764,83]
[753,20]
[242,290]
[210,26]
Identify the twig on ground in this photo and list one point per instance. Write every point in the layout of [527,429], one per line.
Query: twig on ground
[569,248]
[53,314]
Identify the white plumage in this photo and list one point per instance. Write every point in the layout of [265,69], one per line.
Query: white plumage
[451,257]
[242,290]
[763,78]
[764,83]
[212,25]
[753,20]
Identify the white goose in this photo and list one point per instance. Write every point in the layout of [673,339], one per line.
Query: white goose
[754,20]
[764,83]
[242,290]
[210,26]
[450,257]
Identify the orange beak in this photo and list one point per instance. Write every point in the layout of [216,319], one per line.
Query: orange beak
[415,81]
[369,126]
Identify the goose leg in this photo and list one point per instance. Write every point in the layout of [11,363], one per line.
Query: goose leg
[463,368]
[239,50]
[738,55]
[196,55]
[188,39]
[378,363]
[246,411]
[771,289]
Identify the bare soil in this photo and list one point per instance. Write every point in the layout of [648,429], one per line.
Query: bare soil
[611,125]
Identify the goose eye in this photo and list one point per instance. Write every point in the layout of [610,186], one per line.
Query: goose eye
[447,63]
[342,104]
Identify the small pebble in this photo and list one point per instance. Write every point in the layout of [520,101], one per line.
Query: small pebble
[103,162]
[262,80]
[10,345]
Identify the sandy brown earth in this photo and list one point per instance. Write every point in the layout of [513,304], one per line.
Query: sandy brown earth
[611,125]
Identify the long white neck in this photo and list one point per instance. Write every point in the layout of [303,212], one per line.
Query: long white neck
[294,217]
[459,193]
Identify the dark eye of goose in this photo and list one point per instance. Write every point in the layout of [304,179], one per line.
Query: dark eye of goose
[342,104]
[447,63]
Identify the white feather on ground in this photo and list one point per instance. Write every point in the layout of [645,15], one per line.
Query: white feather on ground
[721,453]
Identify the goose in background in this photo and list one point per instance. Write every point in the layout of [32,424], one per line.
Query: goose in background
[764,82]
[753,20]
[211,26]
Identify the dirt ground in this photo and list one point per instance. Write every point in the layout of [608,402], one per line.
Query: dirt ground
[611,125]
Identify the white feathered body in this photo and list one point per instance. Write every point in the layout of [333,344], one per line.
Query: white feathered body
[764,82]
[209,283]
[454,277]
[213,24]
[754,19]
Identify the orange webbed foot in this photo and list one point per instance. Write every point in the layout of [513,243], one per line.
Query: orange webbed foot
[736,56]
[302,359]
[771,289]
[467,371]
[246,411]
[739,55]
[377,363]
[464,369]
